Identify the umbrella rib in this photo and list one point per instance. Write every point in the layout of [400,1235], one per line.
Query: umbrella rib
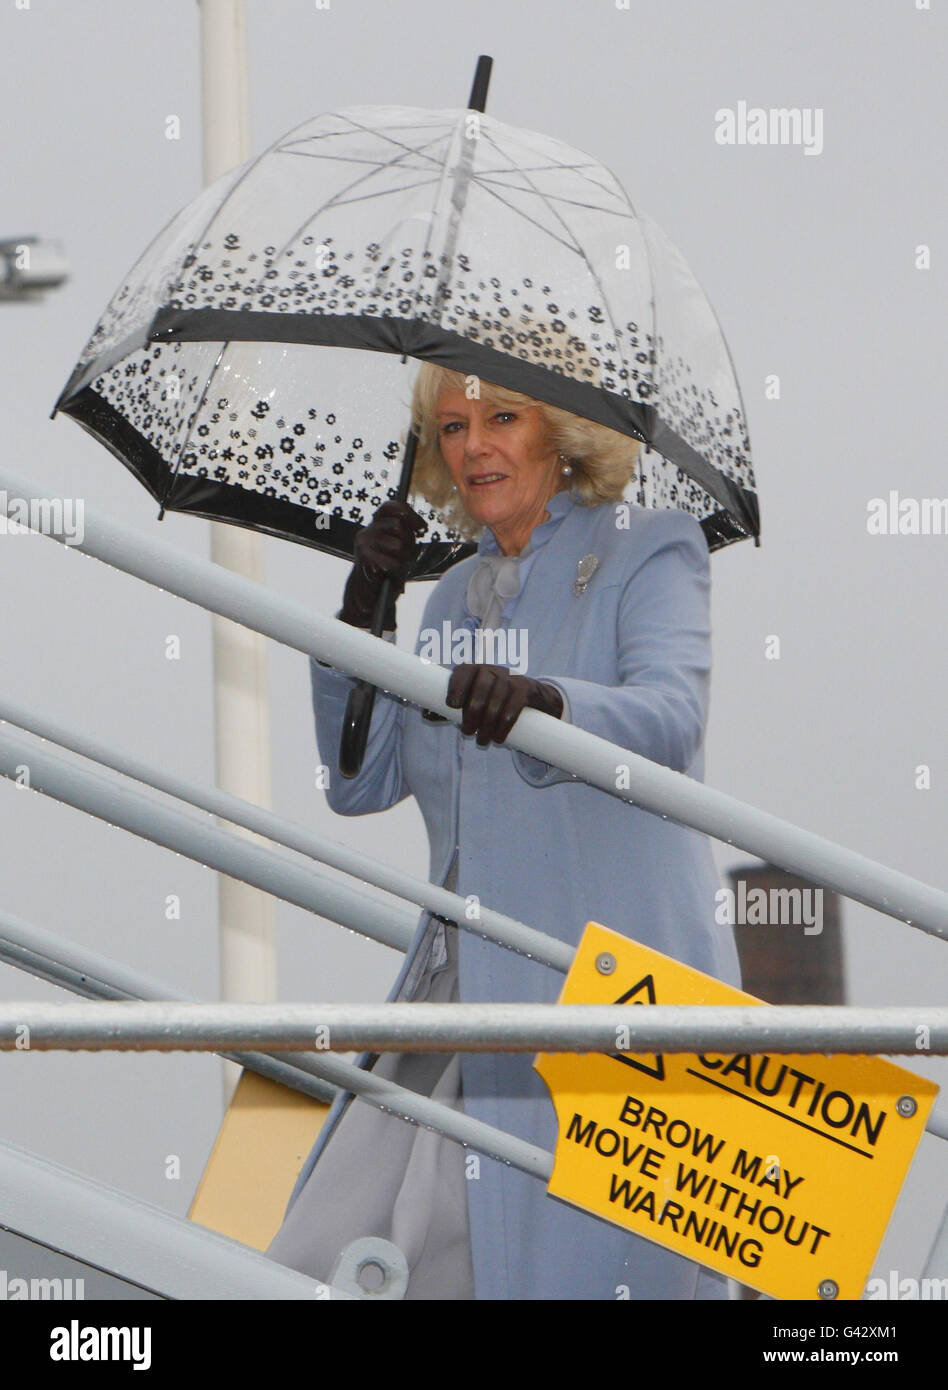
[534,168]
[553,197]
[339,202]
[276,148]
[384,135]
[220,358]
[224,347]
[335,200]
[478,175]
[101,362]
[343,159]
[583,168]
[443,127]
[651,281]
[570,246]
[193,420]
[579,250]
[244,176]
[207,226]
[441,165]
[527,168]
[463,174]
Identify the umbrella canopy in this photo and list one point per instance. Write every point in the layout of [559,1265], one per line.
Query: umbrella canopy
[394,232]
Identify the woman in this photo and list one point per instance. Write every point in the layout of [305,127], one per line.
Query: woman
[609,604]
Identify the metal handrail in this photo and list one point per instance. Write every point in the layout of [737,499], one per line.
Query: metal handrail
[190,1025]
[318,1075]
[136,1241]
[594,760]
[145,815]
[415,1027]
[496,926]
[82,971]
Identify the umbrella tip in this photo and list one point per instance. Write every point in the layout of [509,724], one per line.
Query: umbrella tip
[477,101]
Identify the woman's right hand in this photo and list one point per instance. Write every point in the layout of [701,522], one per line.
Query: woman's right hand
[383,550]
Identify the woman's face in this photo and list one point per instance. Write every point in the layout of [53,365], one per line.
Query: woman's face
[501,462]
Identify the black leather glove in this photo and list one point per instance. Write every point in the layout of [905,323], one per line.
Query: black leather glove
[383,549]
[492,698]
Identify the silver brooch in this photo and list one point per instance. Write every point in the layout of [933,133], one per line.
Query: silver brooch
[584,572]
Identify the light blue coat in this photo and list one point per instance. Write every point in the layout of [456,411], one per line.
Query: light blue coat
[632,656]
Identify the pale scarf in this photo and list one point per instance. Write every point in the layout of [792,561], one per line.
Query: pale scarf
[495,580]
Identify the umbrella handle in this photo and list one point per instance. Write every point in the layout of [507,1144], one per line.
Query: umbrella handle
[355,728]
[361,701]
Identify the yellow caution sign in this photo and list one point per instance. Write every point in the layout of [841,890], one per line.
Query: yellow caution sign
[781,1171]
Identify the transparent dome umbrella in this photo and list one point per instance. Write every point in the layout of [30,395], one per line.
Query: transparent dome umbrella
[252,366]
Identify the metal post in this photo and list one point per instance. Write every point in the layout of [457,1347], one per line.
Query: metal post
[247,921]
[936,1266]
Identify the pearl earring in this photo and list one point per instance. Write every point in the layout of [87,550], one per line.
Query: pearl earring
[567,468]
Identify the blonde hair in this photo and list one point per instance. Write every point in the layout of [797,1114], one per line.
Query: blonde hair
[603,460]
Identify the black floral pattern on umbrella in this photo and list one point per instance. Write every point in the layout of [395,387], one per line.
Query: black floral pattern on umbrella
[347,232]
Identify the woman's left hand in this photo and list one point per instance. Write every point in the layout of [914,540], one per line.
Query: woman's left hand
[492,698]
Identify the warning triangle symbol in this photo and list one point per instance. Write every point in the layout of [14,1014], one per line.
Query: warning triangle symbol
[646,987]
